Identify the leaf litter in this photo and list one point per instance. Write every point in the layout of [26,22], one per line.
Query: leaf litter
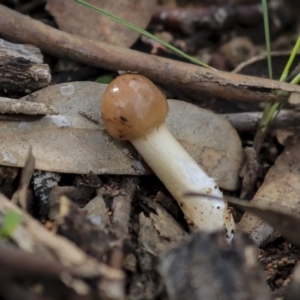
[72,17]
[191,269]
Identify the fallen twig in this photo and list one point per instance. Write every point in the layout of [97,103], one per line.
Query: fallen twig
[13,106]
[20,264]
[21,68]
[248,121]
[191,79]
[122,206]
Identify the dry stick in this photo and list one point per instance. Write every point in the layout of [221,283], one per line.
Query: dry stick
[122,206]
[121,214]
[249,121]
[21,68]
[32,237]
[192,79]
[13,106]
[17,263]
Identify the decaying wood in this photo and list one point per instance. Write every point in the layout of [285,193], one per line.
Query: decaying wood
[29,52]
[194,80]
[122,206]
[248,121]
[121,209]
[21,69]
[14,106]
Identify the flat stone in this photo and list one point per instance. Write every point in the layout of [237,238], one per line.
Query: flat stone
[71,143]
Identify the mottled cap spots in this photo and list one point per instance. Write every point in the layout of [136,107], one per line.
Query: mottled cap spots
[132,106]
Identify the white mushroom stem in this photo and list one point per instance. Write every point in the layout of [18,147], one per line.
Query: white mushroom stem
[181,174]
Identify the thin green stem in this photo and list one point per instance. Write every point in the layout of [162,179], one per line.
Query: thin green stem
[264,121]
[290,61]
[296,80]
[271,110]
[267,37]
[144,32]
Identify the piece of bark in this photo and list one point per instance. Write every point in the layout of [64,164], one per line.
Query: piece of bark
[21,72]
[280,190]
[207,267]
[121,206]
[42,184]
[250,171]
[26,51]
[192,79]
[14,106]
[249,121]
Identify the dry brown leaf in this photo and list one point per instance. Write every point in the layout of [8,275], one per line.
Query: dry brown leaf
[158,231]
[280,189]
[70,143]
[80,20]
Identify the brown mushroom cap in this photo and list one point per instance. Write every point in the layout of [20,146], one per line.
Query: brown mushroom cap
[131,106]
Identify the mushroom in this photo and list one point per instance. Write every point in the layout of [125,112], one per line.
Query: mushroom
[134,109]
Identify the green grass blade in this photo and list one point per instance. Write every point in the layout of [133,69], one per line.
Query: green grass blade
[271,110]
[144,32]
[267,37]
[296,80]
[290,61]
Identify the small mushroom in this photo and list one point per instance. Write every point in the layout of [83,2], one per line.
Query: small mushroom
[134,109]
